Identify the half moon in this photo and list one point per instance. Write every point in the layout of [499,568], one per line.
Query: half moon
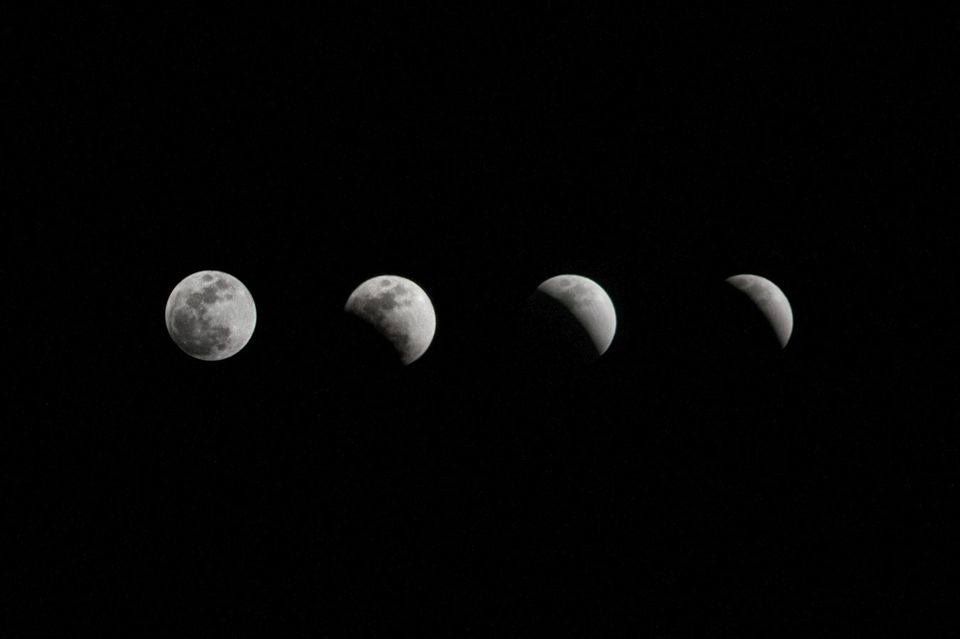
[400,310]
[770,300]
[589,303]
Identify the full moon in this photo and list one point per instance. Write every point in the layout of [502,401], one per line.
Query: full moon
[400,310]
[589,303]
[211,315]
[770,300]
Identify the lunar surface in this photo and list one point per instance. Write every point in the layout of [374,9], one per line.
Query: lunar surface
[400,310]
[770,300]
[589,303]
[211,315]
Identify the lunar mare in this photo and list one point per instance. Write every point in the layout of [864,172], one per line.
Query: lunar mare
[589,303]
[211,315]
[770,300]
[400,310]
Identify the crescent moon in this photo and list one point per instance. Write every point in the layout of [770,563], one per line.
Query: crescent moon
[400,310]
[589,303]
[770,300]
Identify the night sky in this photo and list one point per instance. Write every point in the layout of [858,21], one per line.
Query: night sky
[696,480]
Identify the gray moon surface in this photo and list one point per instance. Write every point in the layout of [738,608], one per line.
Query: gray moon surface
[211,315]
[770,300]
[589,303]
[400,310]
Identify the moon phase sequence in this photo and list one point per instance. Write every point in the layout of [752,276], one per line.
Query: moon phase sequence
[211,315]
[400,310]
[770,300]
[589,303]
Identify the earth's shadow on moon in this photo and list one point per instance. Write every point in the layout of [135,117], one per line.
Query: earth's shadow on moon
[742,327]
[363,352]
[551,340]
[734,337]
[732,359]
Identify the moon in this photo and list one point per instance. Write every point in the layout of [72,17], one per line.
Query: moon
[211,315]
[400,310]
[588,303]
[770,300]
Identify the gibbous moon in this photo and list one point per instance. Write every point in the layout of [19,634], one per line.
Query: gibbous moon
[770,300]
[211,315]
[589,303]
[400,310]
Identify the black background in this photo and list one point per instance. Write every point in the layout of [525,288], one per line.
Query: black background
[695,479]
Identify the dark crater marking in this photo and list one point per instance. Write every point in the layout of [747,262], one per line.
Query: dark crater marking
[196,336]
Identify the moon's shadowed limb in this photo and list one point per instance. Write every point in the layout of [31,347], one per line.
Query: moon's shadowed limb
[713,355]
[736,348]
[362,347]
[552,339]
[374,310]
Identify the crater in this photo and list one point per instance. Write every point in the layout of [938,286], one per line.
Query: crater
[383,302]
[184,323]
[195,301]
[209,295]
